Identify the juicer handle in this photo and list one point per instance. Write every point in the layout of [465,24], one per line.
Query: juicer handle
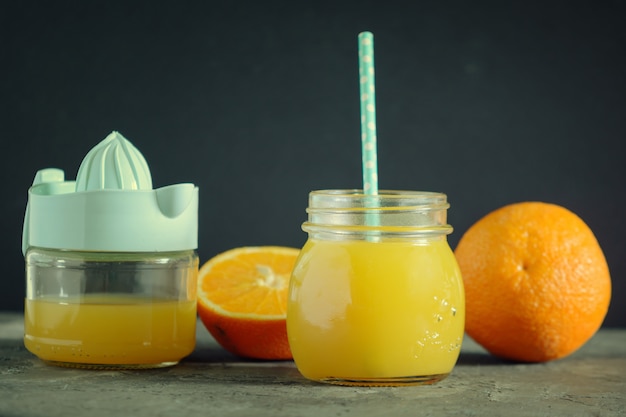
[47,175]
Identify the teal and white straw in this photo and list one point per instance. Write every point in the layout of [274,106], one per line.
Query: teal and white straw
[368,113]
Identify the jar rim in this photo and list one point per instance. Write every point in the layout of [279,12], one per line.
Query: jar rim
[356,198]
[358,192]
[344,212]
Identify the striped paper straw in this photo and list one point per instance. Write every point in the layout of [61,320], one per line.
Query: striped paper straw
[368,113]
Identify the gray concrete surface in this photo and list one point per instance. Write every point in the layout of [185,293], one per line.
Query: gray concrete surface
[210,382]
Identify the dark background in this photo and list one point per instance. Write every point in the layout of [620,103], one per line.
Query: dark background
[257,103]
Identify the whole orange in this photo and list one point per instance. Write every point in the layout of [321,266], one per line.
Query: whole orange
[537,284]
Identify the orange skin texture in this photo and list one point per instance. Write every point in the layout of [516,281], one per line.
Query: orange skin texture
[249,338]
[537,284]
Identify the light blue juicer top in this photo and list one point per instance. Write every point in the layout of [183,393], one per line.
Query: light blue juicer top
[111,207]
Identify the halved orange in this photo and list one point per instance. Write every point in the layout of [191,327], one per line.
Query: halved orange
[242,300]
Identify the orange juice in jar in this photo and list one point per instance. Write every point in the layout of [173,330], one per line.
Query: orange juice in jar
[376,296]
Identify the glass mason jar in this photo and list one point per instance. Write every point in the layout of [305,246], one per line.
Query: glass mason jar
[113,310]
[376,296]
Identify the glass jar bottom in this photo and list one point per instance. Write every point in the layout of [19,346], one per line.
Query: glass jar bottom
[110,367]
[386,382]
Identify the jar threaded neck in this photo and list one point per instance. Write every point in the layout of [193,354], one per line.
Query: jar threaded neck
[389,214]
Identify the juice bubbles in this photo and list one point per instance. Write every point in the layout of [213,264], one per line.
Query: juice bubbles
[109,331]
[376,297]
